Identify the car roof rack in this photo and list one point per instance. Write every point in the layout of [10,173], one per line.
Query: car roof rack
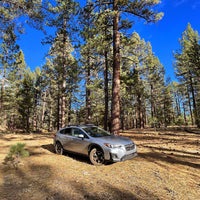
[87,125]
[72,125]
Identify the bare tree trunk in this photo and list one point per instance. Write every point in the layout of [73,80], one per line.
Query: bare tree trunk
[2,89]
[63,106]
[140,110]
[115,111]
[190,107]
[136,116]
[50,128]
[63,96]
[69,108]
[106,90]
[184,113]
[194,102]
[35,114]
[43,110]
[88,92]
[58,112]
[152,102]
[128,121]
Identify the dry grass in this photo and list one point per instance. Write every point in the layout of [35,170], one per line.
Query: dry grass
[167,167]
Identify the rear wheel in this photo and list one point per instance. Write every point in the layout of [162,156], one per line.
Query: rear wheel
[97,156]
[59,148]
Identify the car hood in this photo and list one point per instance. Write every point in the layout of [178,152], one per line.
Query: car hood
[114,139]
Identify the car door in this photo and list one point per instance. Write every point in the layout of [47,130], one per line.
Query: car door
[66,138]
[79,145]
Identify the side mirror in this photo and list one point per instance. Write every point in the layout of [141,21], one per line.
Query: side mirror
[81,136]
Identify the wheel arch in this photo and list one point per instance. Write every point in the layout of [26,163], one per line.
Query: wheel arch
[58,141]
[92,146]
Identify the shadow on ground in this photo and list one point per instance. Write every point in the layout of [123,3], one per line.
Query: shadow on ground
[172,159]
[37,182]
[74,156]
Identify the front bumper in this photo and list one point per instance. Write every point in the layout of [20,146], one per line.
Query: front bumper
[129,156]
[118,155]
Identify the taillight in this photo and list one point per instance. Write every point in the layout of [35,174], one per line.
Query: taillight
[54,135]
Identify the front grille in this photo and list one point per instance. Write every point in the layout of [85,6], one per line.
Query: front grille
[130,147]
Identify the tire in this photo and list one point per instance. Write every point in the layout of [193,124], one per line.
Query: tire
[59,148]
[97,157]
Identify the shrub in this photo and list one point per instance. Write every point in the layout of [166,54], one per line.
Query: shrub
[16,152]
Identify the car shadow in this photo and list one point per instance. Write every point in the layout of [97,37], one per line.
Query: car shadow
[49,147]
[74,156]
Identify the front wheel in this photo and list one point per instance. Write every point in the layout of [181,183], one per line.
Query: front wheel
[59,148]
[97,157]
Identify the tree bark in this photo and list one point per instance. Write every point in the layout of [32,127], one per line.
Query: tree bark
[194,101]
[69,107]
[63,98]
[140,110]
[43,111]
[106,90]
[88,92]
[190,107]
[184,112]
[115,111]
[152,102]
[2,89]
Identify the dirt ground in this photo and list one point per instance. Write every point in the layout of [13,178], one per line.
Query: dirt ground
[167,167]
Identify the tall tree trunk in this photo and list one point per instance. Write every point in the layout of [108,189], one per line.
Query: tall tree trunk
[106,90]
[190,107]
[43,111]
[115,111]
[128,121]
[35,114]
[63,106]
[69,107]
[136,116]
[63,97]
[2,89]
[194,101]
[122,117]
[50,128]
[88,92]
[184,112]
[58,112]
[140,110]
[152,102]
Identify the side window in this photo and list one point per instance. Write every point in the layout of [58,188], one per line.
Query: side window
[76,132]
[66,131]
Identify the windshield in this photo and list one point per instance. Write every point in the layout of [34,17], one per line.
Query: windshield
[96,132]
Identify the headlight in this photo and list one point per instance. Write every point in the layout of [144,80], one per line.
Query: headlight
[113,145]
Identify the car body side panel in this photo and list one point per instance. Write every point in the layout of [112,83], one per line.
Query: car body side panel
[79,145]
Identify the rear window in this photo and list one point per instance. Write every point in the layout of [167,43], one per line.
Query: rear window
[66,131]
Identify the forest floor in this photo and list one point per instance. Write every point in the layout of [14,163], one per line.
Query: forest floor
[167,167]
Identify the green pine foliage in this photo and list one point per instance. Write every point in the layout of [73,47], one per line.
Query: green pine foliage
[16,152]
[187,68]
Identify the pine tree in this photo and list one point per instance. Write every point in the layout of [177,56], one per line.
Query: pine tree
[186,64]
[62,19]
[26,100]
[8,52]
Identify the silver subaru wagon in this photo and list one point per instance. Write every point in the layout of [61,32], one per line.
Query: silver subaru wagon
[98,144]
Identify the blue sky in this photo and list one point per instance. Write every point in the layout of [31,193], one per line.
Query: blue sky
[163,35]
